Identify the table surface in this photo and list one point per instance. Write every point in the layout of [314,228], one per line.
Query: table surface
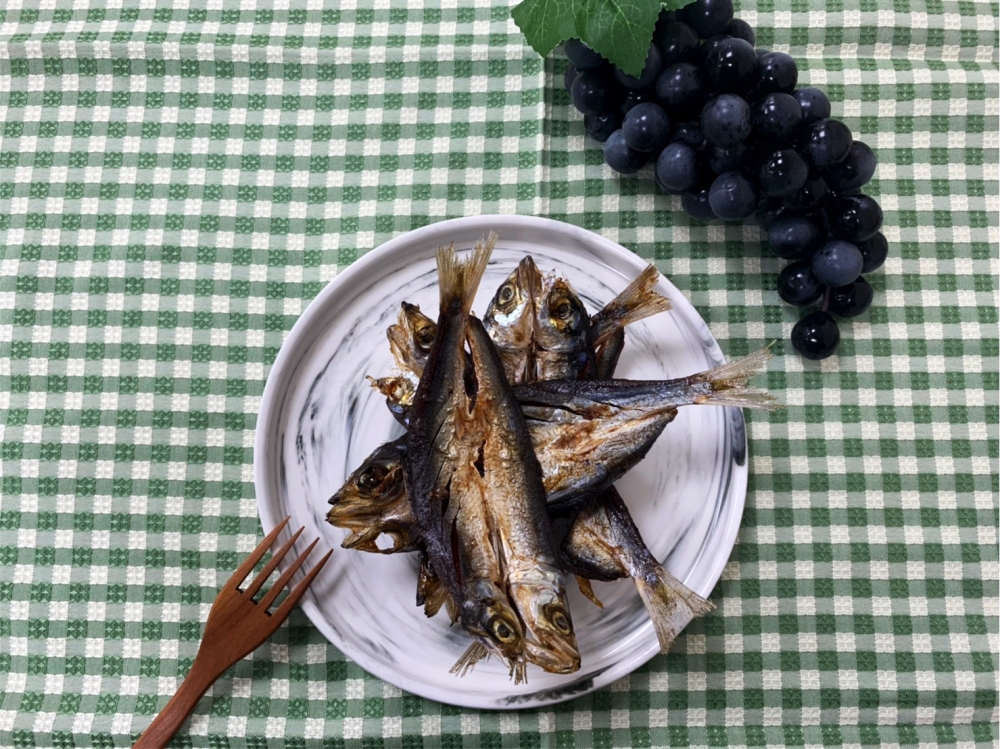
[177,181]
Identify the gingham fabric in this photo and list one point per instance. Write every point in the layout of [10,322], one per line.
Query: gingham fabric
[178,180]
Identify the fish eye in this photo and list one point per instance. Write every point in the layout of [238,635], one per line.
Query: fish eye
[371,480]
[502,631]
[506,294]
[563,309]
[425,337]
[560,622]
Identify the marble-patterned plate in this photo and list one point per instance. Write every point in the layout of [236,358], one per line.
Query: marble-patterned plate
[319,418]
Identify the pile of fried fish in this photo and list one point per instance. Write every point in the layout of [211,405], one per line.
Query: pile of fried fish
[515,433]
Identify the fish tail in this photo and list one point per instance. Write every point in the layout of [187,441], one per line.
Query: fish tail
[475,653]
[639,300]
[670,603]
[728,383]
[459,279]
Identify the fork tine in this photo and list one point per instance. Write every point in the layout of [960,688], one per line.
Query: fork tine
[296,593]
[282,581]
[276,558]
[251,561]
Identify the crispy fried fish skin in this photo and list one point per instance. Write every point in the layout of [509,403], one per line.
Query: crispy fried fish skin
[510,320]
[516,501]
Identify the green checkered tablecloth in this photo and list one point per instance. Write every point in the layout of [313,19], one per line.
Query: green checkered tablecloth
[178,180]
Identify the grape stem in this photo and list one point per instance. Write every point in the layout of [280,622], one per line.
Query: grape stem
[826,299]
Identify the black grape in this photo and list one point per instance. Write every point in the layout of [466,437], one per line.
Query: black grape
[677,41]
[776,117]
[600,126]
[677,167]
[595,92]
[695,204]
[776,72]
[569,76]
[783,174]
[816,336]
[620,157]
[768,211]
[646,127]
[742,30]
[681,87]
[650,72]
[854,171]
[874,251]
[708,47]
[852,300]
[634,98]
[725,120]
[827,143]
[582,56]
[837,263]
[730,159]
[760,52]
[798,285]
[854,218]
[794,237]
[709,17]
[732,197]
[812,195]
[689,134]
[730,66]
[815,104]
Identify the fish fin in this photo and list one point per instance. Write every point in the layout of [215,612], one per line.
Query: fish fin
[459,279]
[638,300]
[519,672]
[728,383]
[670,603]
[475,653]
[588,591]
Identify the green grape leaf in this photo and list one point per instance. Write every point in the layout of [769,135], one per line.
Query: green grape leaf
[621,30]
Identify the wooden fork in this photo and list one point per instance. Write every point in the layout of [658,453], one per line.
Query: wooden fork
[236,626]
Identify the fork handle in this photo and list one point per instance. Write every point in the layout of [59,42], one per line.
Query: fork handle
[181,705]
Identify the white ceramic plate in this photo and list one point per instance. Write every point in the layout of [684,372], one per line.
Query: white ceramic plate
[319,419]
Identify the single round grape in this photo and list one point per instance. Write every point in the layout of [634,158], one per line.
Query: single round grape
[732,197]
[827,143]
[582,56]
[569,76]
[776,72]
[725,120]
[769,211]
[620,157]
[855,170]
[794,237]
[798,285]
[854,218]
[681,88]
[874,250]
[742,30]
[810,197]
[852,300]
[646,127]
[695,204]
[730,66]
[600,126]
[709,17]
[815,104]
[677,167]
[677,41]
[776,117]
[783,174]
[708,47]
[837,263]
[650,72]
[634,98]
[721,160]
[816,336]
[595,92]
[689,134]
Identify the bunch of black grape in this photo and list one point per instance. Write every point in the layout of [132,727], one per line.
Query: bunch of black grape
[729,132]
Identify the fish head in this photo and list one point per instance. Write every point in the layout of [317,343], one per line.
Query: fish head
[373,502]
[561,320]
[487,613]
[509,317]
[550,641]
[411,338]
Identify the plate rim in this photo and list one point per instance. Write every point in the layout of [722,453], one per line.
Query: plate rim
[293,345]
